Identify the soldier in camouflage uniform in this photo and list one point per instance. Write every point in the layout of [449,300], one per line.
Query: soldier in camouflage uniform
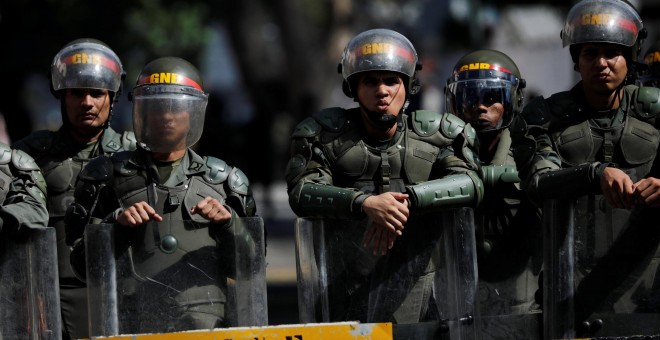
[374,171]
[486,91]
[86,77]
[172,207]
[598,144]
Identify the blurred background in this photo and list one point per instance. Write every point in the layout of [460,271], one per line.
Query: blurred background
[267,64]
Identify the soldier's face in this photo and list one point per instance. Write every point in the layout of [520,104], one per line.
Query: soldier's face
[381,91]
[602,67]
[484,115]
[87,109]
[169,130]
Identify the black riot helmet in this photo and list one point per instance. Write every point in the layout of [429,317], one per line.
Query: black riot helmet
[379,50]
[484,77]
[168,101]
[86,63]
[652,61]
[604,21]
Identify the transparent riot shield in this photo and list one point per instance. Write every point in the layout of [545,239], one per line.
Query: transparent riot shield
[142,281]
[29,288]
[601,269]
[341,280]
[455,284]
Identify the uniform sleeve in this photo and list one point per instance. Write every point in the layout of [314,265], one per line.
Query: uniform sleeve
[310,184]
[532,146]
[25,204]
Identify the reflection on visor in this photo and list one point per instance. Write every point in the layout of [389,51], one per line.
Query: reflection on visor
[475,96]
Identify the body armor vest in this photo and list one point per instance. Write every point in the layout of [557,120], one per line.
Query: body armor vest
[167,244]
[408,159]
[631,142]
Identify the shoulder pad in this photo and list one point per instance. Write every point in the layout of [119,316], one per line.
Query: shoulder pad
[98,169]
[128,140]
[121,163]
[332,119]
[451,126]
[238,182]
[647,102]
[470,134]
[36,141]
[5,153]
[217,171]
[425,123]
[23,161]
[307,128]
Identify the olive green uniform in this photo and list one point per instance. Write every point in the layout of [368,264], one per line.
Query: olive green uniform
[509,247]
[61,158]
[184,251]
[22,193]
[334,167]
[561,146]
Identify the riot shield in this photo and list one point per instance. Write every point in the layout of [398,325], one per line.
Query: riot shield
[142,281]
[601,265]
[455,284]
[29,288]
[341,280]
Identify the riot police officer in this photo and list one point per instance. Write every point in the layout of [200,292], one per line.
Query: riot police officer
[651,76]
[371,173]
[486,91]
[595,147]
[86,76]
[173,209]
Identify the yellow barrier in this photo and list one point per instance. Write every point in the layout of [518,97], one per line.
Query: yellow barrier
[335,331]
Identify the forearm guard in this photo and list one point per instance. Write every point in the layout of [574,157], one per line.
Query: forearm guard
[491,175]
[451,191]
[318,200]
[569,182]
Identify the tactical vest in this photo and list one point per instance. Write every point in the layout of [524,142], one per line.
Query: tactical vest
[407,160]
[60,168]
[632,143]
[164,244]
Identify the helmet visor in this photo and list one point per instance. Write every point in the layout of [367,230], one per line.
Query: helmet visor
[610,21]
[379,50]
[86,65]
[167,120]
[484,103]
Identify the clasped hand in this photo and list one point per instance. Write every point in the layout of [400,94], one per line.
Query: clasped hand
[141,213]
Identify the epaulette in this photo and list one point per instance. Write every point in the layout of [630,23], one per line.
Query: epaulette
[217,171]
[425,123]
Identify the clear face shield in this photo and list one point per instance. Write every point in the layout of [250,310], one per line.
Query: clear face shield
[484,102]
[168,118]
[86,65]
[611,21]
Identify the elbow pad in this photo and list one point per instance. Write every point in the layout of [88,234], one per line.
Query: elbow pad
[451,191]
[318,200]
[491,175]
[570,182]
